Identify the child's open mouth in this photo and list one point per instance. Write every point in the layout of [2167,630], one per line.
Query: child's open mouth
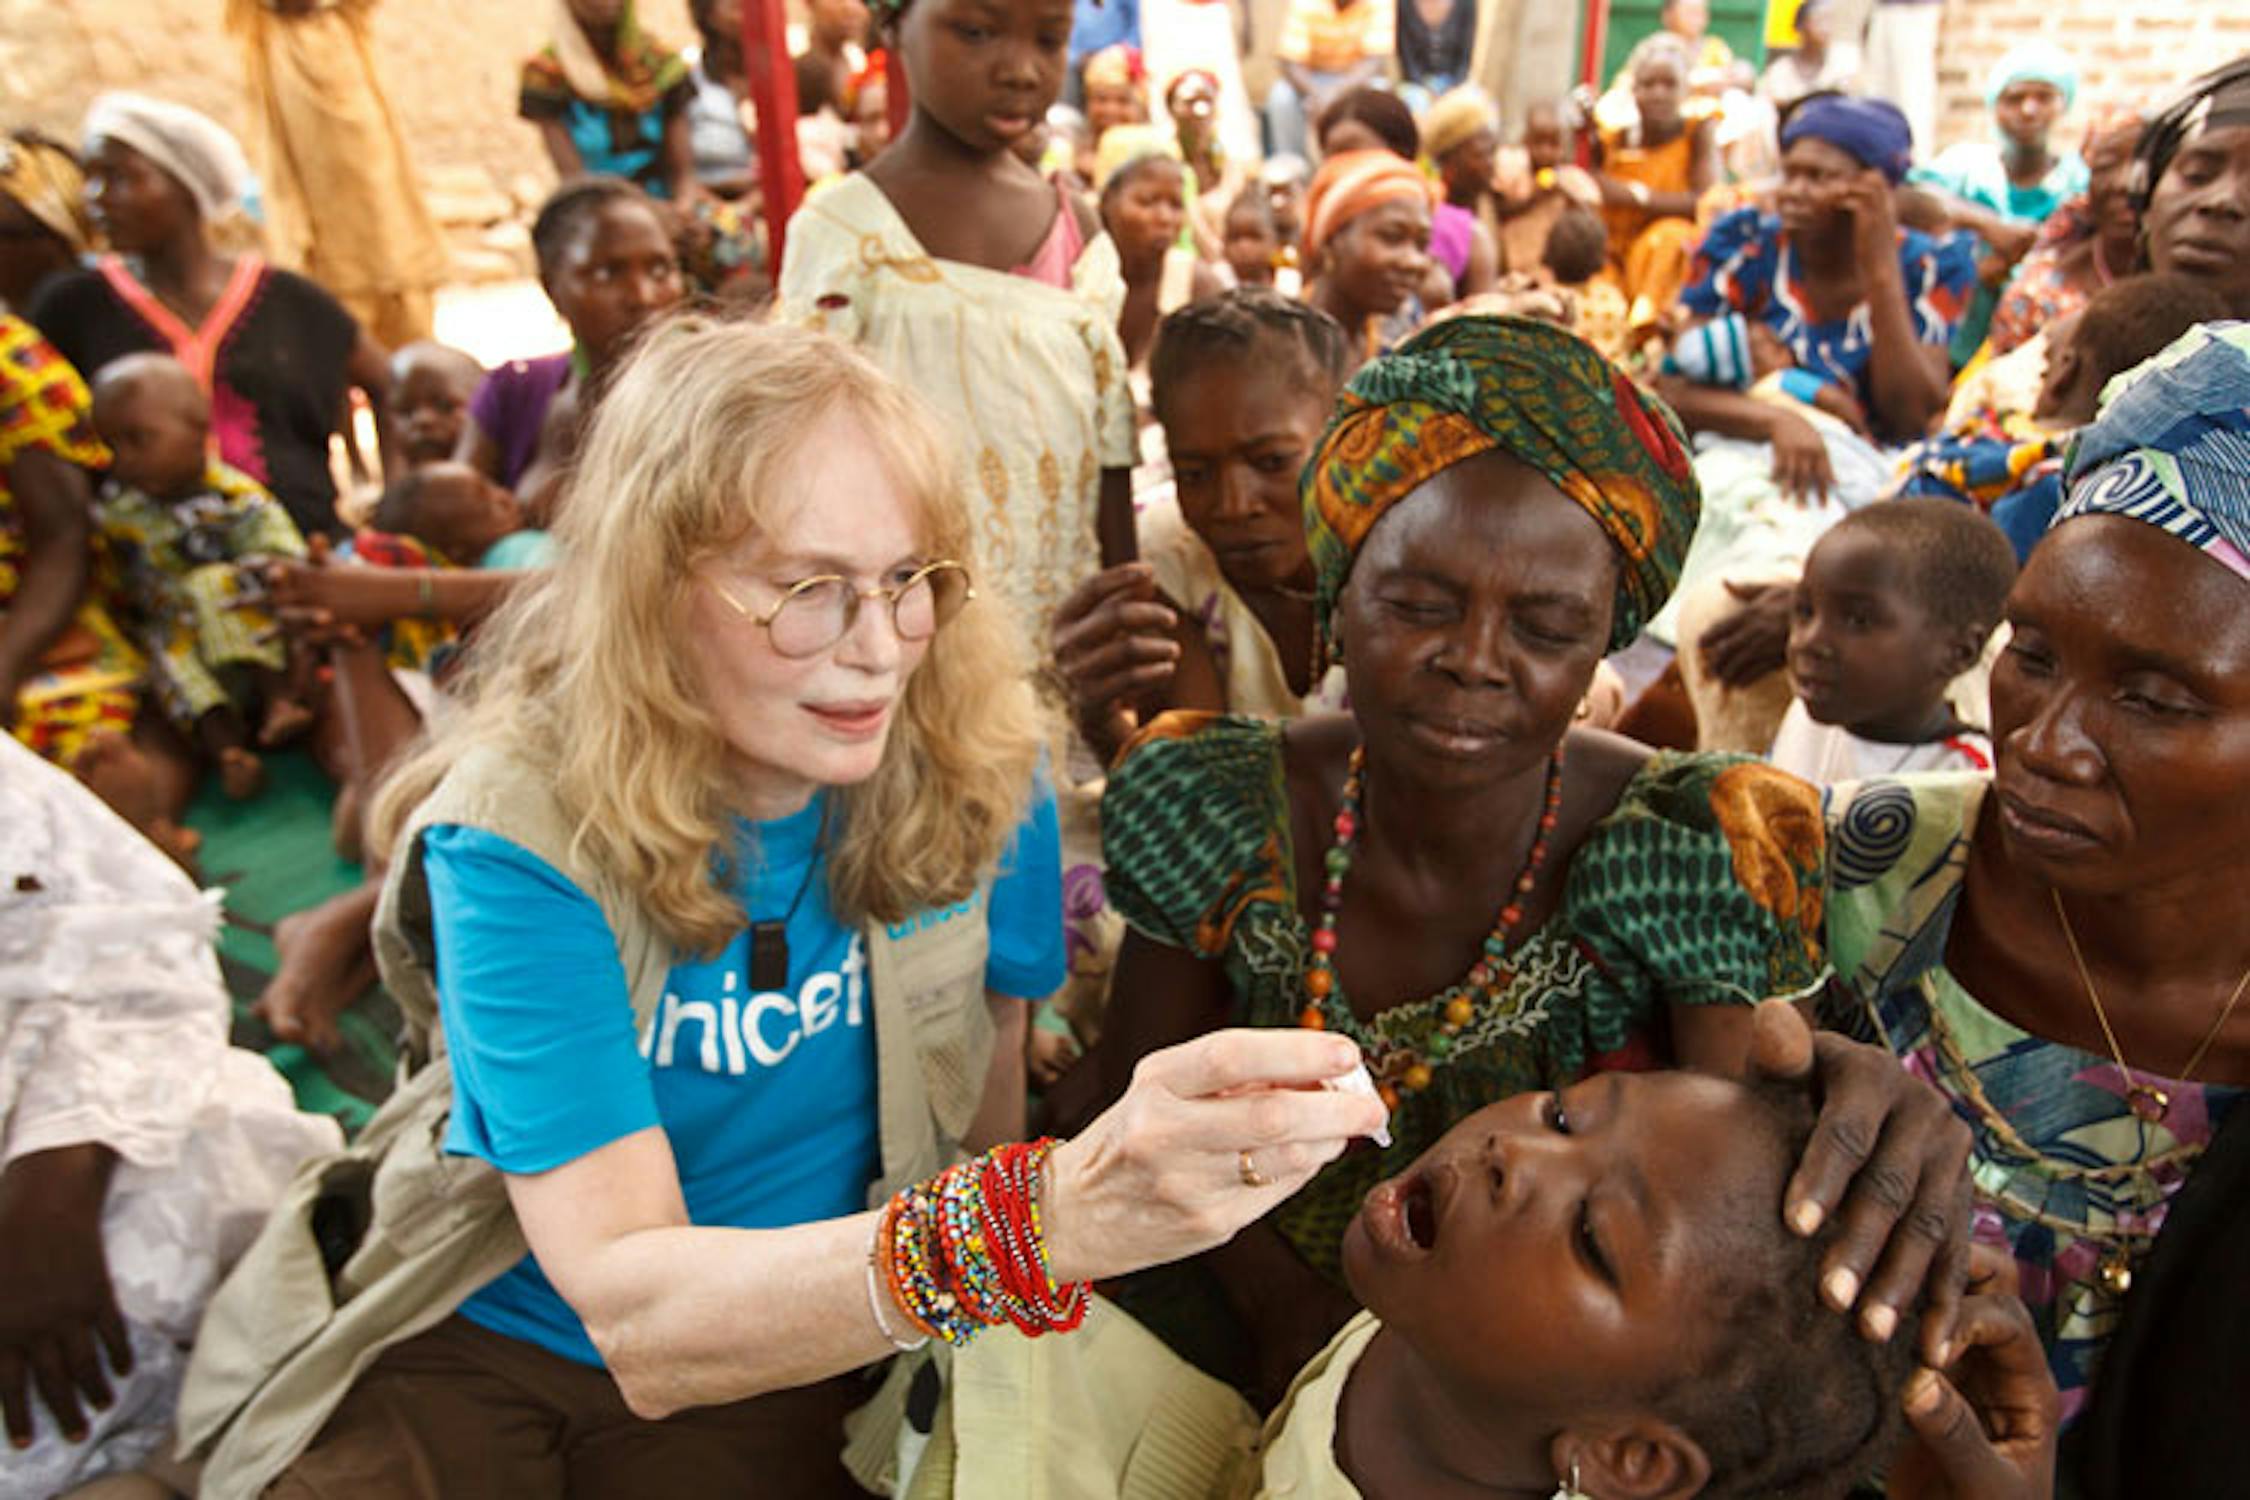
[1419,1211]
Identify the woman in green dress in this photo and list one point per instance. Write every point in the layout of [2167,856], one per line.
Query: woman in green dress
[1487,899]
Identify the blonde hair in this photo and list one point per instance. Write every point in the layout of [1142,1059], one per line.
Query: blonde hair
[584,675]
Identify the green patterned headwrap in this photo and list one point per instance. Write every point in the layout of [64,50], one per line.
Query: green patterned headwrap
[1544,396]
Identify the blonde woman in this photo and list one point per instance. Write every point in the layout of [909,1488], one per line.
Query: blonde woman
[724,889]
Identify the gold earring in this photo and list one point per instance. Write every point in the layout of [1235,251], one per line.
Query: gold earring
[1571,1491]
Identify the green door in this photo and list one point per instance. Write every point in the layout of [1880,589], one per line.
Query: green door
[1741,24]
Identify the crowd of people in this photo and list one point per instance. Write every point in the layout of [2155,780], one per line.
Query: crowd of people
[1227,797]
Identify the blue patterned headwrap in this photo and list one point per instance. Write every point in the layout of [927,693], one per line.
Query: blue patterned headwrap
[2172,446]
[1871,130]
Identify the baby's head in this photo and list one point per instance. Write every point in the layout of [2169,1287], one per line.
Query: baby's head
[157,423]
[431,387]
[452,507]
[1577,246]
[1606,1272]
[2123,326]
[1896,600]
[1243,383]
[1252,240]
[1546,136]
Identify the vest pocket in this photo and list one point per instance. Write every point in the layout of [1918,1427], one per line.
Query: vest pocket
[953,1044]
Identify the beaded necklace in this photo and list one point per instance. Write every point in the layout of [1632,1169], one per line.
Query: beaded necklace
[1398,1065]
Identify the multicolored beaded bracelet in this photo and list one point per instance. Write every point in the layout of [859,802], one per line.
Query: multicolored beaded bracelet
[967,1250]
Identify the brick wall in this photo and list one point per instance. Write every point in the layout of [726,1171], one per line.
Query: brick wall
[2127,50]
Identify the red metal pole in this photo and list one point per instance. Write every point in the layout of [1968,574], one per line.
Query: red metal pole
[1590,68]
[773,94]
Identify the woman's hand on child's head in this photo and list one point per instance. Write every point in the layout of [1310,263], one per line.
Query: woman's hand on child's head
[1888,1161]
[1800,458]
[1210,1137]
[1113,646]
[1986,1427]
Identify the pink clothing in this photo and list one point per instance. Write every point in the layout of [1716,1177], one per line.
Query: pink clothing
[1051,263]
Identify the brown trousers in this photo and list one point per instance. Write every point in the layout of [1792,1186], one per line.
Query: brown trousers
[462,1413]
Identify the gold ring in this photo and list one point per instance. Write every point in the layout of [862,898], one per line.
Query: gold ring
[1251,1176]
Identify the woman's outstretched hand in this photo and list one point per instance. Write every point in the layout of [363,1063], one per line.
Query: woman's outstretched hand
[1166,1172]
[1889,1161]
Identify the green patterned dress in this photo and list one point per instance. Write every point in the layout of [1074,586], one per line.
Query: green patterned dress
[1701,887]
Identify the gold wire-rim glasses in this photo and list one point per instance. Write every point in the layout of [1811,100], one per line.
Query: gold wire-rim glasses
[945,605]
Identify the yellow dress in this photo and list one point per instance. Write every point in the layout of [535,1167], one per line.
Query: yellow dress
[1649,254]
[1030,379]
[341,202]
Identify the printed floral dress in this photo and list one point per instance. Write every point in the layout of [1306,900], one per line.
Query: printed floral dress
[1701,887]
[2068,1178]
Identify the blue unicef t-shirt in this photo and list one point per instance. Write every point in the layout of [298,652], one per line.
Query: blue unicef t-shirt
[768,1098]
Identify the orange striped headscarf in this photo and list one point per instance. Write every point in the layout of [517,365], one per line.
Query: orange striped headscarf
[1350,183]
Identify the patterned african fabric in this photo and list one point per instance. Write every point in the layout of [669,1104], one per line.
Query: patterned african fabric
[2172,446]
[272,353]
[614,105]
[2040,293]
[89,680]
[1469,385]
[1700,888]
[175,580]
[1328,37]
[408,644]
[2064,1172]
[2016,482]
[1747,265]
[1029,379]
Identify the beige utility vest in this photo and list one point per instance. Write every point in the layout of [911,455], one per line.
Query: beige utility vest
[412,1231]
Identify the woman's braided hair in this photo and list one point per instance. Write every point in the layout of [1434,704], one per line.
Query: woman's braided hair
[1237,323]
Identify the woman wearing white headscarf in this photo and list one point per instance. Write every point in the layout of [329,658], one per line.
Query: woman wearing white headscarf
[275,353]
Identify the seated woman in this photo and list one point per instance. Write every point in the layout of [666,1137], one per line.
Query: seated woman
[1651,172]
[608,265]
[2085,244]
[1367,119]
[277,355]
[2003,190]
[2059,946]
[722,888]
[2190,189]
[1366,246]
[1484,898]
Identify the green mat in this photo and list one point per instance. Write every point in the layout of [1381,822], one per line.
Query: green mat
[273,856]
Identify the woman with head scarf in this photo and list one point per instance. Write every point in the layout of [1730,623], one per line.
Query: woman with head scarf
[2191,183]
[276,354]
[1367,244]
[2000,187]
[1487,899]
[43,224]
[2085,245]
[2061,945]
[1652,171]
[1858,301]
